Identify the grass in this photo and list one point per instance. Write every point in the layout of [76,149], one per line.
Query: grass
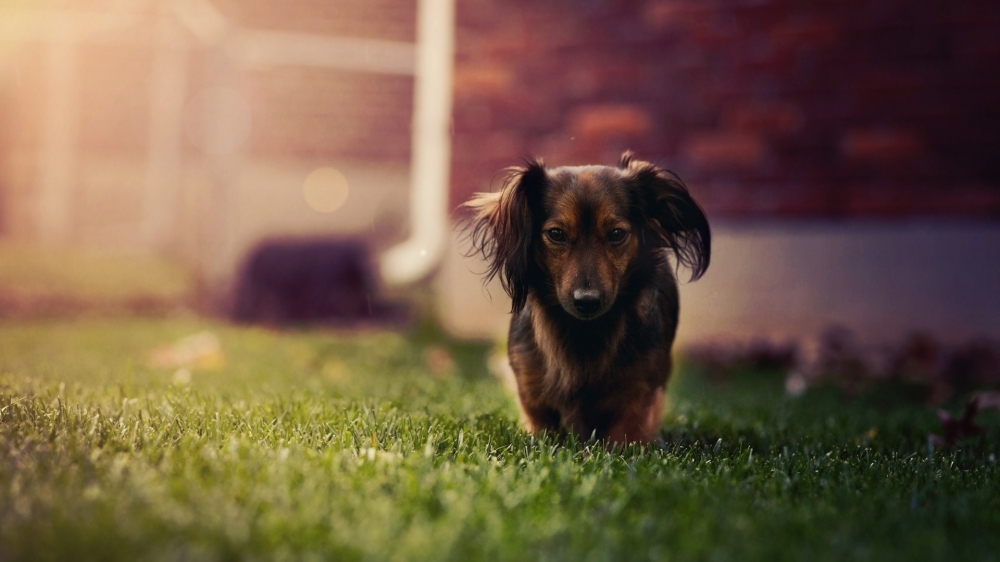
[313,445]
[33,279]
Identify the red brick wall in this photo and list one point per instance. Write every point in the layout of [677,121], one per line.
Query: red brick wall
[316,112]
[857,107]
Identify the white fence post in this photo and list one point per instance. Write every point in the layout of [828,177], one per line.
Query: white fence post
[59,136]
[167,93]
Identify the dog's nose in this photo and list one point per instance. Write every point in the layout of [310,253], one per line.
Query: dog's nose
[587,301]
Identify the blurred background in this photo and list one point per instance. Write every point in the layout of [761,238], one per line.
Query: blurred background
[300,161]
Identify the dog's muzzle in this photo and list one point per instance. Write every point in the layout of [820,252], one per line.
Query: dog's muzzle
[587,302]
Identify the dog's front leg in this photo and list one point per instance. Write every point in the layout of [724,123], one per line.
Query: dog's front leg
[641,422]
[536,417]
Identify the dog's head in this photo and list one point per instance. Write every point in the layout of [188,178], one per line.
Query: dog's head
[578,232]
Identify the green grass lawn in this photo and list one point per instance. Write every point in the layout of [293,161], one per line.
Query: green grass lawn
[36,280]
[312,445]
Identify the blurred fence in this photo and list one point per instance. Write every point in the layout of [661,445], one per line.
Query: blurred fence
[179,126]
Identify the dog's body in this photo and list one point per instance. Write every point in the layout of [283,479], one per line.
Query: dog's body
[583,253]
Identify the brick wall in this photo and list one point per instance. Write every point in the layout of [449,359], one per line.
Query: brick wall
[302,112]
[851,108]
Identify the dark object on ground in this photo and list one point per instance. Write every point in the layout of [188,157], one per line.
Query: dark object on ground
[955,430]
[975,365]
[766,356]
[919,369]
[289,282]
[722,362]
[840,358]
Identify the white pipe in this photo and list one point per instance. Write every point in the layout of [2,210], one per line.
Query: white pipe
[417,256]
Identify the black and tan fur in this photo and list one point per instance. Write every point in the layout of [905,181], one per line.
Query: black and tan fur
[584,252]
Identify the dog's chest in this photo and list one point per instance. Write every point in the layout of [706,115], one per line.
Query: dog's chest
[581,361]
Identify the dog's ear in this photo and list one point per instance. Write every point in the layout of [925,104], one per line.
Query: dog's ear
[503,228]
[674,219]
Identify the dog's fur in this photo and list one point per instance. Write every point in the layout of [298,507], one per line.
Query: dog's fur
[583,253]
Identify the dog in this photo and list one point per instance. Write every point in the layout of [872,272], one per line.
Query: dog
[585,254]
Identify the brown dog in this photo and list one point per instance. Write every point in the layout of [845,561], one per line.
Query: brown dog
[583,253]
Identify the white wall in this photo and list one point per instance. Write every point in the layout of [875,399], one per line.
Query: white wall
[792,279]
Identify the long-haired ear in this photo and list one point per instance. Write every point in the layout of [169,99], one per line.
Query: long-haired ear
[503,228]
[676,221]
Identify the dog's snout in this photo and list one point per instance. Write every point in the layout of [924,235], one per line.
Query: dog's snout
[587,301]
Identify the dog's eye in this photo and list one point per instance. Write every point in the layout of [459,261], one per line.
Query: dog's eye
[617,235]
[556,235]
